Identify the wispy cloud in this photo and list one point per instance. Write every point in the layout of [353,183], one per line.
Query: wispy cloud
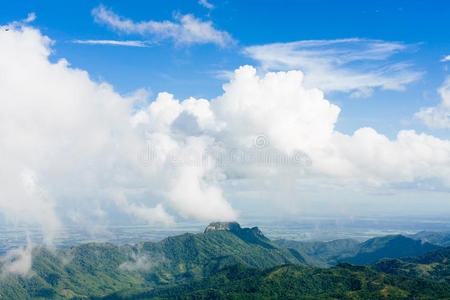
[113,43]
[18,261]
[223,74]
[16,24]
[206,4]
[186,30]
[445,59]
[30,18]
[349,65]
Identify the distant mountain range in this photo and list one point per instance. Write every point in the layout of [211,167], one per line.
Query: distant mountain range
[324,253]
[351,251]
[436,238]
[227,260]
[388,246]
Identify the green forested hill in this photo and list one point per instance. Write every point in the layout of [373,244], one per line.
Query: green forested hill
[100,269]
[296,282]
[436,238]
[91,269]
[433,265]
[326,253]
[199,266]
[368,252]
[392,246]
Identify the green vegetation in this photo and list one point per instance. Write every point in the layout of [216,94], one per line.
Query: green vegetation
[227,261]
[296,282]
[436,238]
[392,246]
[433,265]
[368,252]
[91,269]
[325,253]
[100,269]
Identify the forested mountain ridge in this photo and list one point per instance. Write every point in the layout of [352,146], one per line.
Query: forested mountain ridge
[99,269]
[433,265]
[436,238]
[365,253]
[198,265]
[393,246]
[326,253]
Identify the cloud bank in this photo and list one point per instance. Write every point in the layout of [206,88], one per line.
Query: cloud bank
[348,65]
[187,30]
[73,146]
[55,123]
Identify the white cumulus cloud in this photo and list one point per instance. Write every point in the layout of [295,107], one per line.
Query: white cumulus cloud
[294,118]
[438,116]
[71,146]
[63,137]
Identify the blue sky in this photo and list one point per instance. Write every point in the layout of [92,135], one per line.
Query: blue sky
[371,108]
[192,70]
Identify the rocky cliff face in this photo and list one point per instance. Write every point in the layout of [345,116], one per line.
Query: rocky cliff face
[224,226]
[250,235]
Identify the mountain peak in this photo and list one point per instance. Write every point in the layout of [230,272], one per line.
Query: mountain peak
[223,226]
[250,235]
[232,227]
